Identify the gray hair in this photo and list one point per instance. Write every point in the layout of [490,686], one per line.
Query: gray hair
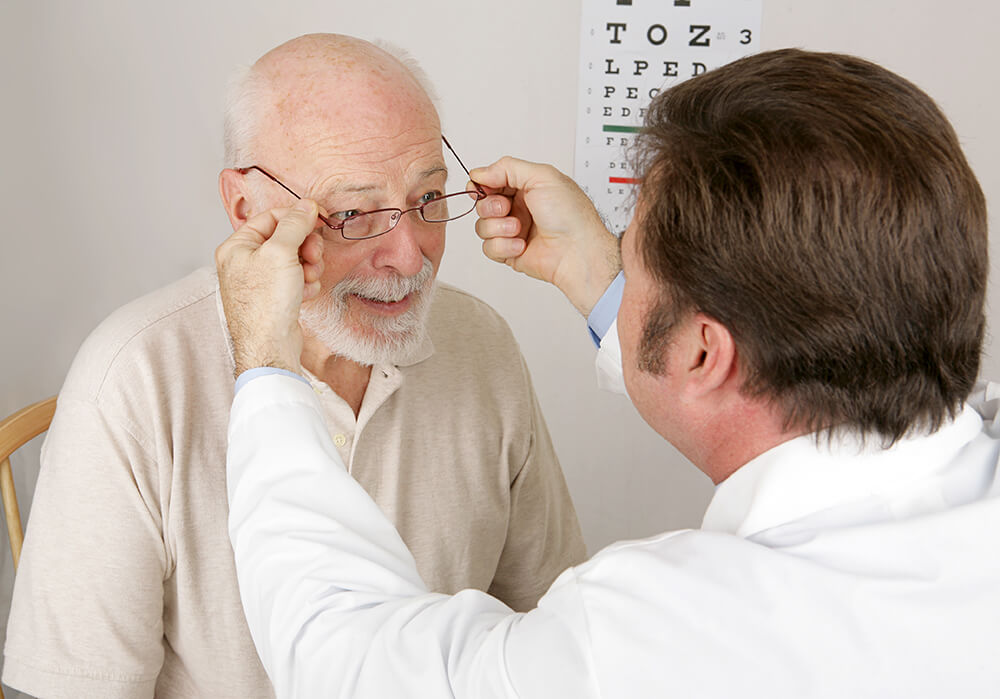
[247,95]
[244,98]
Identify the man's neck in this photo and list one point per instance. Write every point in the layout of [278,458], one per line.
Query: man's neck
[735,436]
[348,379]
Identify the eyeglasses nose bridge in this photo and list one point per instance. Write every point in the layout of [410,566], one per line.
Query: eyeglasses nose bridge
[397,215]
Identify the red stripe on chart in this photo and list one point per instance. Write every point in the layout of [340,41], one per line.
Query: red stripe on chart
[623,180]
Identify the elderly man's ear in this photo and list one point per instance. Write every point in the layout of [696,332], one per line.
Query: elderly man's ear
[235,198]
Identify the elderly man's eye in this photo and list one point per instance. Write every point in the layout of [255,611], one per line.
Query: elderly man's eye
[431,196]
[344,215]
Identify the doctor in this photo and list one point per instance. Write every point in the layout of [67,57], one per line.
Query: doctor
[802,316]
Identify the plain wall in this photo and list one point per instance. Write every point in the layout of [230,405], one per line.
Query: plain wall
[111,147]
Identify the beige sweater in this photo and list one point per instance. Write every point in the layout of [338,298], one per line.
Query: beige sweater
[127,586]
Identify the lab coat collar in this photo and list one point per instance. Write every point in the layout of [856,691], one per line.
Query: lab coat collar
[813,473]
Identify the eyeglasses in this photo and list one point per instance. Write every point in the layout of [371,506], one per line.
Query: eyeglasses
[371,224]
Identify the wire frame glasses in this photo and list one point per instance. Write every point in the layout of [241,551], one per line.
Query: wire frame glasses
[371,224]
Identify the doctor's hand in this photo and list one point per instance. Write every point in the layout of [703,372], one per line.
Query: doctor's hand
[266,269]
[539,222]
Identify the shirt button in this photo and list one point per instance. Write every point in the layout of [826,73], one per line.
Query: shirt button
[340,440]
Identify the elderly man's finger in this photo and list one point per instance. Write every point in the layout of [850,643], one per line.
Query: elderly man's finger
[260,227]
[311,290]
[311,251]
[291,231]
[311,273]
[311,257]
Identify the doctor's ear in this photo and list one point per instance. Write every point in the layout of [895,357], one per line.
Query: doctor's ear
[706,354]
[235,197]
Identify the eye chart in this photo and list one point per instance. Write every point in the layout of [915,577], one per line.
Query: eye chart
[630,50]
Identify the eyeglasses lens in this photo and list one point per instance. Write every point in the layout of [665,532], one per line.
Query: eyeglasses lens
[450,206]
[446,208]
[369,225]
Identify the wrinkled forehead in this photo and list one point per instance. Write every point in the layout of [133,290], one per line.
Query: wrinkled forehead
[365,115]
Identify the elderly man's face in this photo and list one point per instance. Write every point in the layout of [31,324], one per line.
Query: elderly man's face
[363,147]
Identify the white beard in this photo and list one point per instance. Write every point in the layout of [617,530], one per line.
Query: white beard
[382,340]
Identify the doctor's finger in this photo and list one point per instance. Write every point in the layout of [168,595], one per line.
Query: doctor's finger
[507,227]
[503,249]
[494,205]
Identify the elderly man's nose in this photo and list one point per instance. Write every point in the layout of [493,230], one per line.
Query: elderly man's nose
[400,247]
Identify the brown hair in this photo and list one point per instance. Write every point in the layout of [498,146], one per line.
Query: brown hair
[821,208]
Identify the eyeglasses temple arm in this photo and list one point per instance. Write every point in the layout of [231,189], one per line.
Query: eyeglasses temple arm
[478,188]
[268,175]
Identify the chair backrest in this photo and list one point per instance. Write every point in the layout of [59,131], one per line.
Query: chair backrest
[15,431]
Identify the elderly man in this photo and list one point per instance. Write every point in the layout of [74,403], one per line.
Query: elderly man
[127,586]
[802,317]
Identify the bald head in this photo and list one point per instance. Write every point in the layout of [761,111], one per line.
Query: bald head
[319,81]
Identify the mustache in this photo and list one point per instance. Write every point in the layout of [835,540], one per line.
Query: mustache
[386,289]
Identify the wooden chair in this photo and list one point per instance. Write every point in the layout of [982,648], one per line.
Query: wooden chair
[16,431]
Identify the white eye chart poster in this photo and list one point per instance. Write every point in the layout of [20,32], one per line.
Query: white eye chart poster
[630,50]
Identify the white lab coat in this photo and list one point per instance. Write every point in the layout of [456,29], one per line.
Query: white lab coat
[821,570]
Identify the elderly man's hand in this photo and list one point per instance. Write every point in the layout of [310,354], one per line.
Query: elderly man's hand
[538,221]
[266,269]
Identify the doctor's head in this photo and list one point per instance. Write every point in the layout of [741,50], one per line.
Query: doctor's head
[819,208]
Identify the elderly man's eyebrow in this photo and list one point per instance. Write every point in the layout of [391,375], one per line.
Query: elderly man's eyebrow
[352,187]
[355,187]
[430,172]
